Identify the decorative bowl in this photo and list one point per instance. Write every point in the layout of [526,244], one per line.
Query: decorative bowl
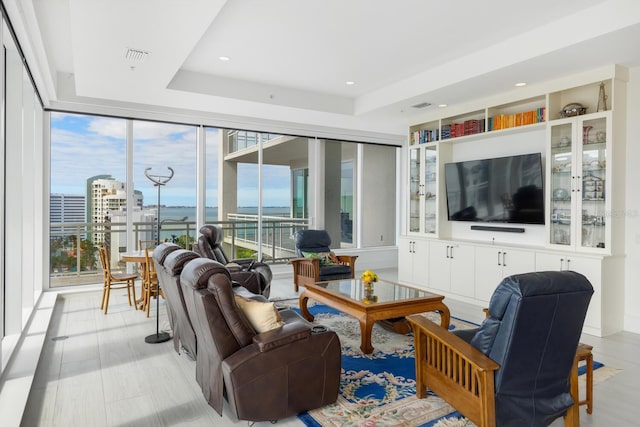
[573,109]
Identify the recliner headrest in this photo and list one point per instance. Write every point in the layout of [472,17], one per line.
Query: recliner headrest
[213,233]
[536,284]
[176,260]
[312,240]
[162,250]
[197,272]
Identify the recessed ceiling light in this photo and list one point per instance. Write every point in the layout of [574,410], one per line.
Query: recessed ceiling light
[520,84]
[350,82]
[442,105]
[224,58]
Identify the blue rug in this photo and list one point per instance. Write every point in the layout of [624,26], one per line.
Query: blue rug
[379,389]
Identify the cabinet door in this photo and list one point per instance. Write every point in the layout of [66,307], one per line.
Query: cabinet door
[517,262]
[463,272]
[550,262]
[561,182]
[430,180]
[592,270]
[440,265]
[494,264]
[592,172]
[420,270]
[488,272]
[405,260]
[415,189]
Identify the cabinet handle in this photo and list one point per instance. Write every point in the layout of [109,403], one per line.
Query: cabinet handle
[499,258]
[573,184]
[451,252]
[568,264]
[578,184]
[561,262]
[504,259]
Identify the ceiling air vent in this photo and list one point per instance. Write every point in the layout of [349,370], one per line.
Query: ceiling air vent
[421,105]
[136,55]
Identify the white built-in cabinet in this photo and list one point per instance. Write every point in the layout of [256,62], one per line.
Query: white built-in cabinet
[584,165]
[423,189]
[495,263]
[579,182]
[412,260]
[448,267]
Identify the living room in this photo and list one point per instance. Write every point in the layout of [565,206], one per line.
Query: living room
[568,45]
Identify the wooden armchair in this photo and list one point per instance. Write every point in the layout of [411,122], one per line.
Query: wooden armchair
[519,367]
[317,263]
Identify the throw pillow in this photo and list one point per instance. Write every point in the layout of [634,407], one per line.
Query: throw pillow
[263,316]
[326,258]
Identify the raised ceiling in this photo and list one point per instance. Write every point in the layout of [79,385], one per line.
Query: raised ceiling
[289,60]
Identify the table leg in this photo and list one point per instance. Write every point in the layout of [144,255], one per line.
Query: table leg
[366,327]
[445,315]
[303,307]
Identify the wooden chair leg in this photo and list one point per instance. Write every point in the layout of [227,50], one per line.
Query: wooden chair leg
[133,290]
[572,417]
[106,301]
[104,293]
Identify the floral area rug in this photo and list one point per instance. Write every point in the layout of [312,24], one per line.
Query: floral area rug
[378,389]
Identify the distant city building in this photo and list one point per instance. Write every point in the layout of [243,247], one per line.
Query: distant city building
[66,208]
[144,221]
[106,197]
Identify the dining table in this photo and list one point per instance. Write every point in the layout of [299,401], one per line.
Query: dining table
[137,257]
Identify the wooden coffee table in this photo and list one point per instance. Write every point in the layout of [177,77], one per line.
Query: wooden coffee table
[387,300]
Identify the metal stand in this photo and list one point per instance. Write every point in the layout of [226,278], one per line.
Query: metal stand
[158,181]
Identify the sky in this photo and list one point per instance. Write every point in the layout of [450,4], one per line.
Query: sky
[83,146]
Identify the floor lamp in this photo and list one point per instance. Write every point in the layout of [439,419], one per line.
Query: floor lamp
[158,181]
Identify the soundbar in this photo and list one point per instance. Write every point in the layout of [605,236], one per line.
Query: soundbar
[502,229]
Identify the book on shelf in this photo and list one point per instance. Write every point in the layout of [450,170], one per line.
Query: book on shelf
[423,136]
[505,121]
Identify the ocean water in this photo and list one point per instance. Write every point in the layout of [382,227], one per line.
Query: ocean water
[179,212]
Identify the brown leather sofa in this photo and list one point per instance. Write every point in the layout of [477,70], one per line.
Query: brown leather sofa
[264,376]
[253,275]
[170,259]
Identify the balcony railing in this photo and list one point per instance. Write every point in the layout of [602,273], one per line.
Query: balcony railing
[74,257]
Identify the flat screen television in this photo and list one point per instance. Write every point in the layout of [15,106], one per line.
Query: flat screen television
[499,190]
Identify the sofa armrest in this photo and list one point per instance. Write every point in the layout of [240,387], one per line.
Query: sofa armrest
[278,337]
[453,369]
[347,259]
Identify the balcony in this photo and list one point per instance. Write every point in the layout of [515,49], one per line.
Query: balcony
[68,240]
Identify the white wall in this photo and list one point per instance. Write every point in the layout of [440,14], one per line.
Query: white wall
[632,209]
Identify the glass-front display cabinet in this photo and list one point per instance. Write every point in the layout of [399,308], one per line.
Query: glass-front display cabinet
[577,179]
[423,188]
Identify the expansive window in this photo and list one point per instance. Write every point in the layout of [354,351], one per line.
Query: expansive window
[21,198]
[156,148]
[259,187]
[88,193]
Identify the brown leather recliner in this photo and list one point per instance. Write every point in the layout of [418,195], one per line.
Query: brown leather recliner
[253,275]
[264,376]
[170,260]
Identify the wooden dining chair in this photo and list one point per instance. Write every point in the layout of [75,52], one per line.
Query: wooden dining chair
[144,244]
[115,281]
[150,280]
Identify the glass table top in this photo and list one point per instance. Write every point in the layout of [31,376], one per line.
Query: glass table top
[379,292]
